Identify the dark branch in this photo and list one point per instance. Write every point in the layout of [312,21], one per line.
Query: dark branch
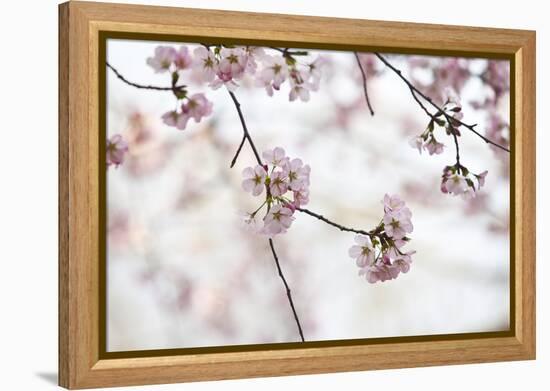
[329,222]
[288,294]
[415,91]
[234,160]
[457,149]
[246,135]
[287,52]
[141,86]
[363,73]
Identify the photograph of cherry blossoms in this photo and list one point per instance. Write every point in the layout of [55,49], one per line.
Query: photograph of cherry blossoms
[261,195]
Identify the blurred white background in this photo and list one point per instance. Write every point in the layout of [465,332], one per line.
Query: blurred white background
[181,273]
[29,222]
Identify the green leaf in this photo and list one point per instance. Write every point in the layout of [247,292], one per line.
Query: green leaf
[175,77]
[180,94]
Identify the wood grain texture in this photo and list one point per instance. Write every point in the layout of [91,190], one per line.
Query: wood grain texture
[79,27]
[63,221]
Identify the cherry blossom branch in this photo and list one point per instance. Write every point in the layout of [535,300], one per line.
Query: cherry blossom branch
[288,293]
[364,75]
[415,91]
[246,135]
[286,52]
[329,222]
[386,239]
[237,153]
[142,86]
[457,150]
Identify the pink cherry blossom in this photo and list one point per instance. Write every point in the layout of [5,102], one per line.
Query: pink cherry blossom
[273,73]
[481,179]
[182,58]
[397,224]
[197,107]
[116,149]
[254,179]
[392,203]
[204,64]
[362,251]
[170,118]
[456,184]
[314,72]
[385,269]
[296,173]
[379,254]
[231,67]
[403,262]
[233,60]
[252,53]
[427,141]
[300,198]
[299,87]
[278,220]
[287,183]
[434,147]
[224,77]
[176,119]
[276,70]
[299,91]
[275,157]
[163,58]
[458,180]
[382,271]
[278,184]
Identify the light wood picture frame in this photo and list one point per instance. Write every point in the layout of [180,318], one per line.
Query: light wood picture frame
[83,29]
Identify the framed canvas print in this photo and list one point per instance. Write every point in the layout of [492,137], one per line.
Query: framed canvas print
[249,195]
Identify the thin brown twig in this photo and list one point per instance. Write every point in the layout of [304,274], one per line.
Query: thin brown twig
[287,52]
[142,86]
[234,160]
[245,132]
[457,150]
[330,222]
[364,75]
[288,293]
[247,137]
[415,91]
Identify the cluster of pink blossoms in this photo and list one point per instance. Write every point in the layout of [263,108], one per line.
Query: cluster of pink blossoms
[196,106]
[378,254]
[456,179]
[226,66]
[286,185]
[452,110]
[454,73]
[116,149]
[459,181]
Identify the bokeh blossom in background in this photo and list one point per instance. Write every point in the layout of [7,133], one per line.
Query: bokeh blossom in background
[283,159]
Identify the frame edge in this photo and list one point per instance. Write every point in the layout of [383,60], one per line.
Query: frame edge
[78,366]
[64,367]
